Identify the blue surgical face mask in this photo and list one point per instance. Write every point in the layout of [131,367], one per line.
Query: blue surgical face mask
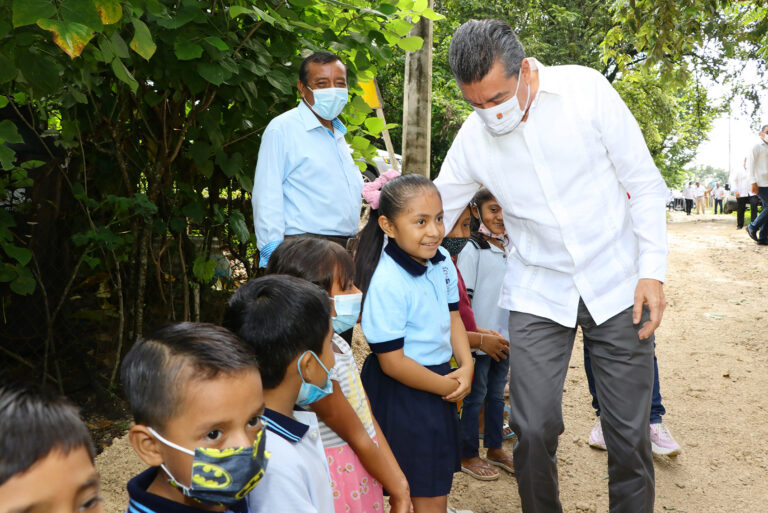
[329,102]
[347,308]
[309,393]
[221,476]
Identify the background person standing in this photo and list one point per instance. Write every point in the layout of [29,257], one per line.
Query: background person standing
[698,194]
[742,187]
[718,193]
[306,182]
[688,195]
[758,175]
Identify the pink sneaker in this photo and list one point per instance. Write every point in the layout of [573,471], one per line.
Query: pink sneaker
[596,439]
[662,442]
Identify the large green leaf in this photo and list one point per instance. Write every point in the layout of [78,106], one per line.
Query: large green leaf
[374,125]
[72,37]
[213,73]
[410,43]
[187,50]
[142,42]
[119,45]
[21,255]
[24,284]
[41,72]
[110,11]
[27,12]
[217,42]
[7,157]
[204,269]
[9,133]
[81,11]
[122,73]
[238,226]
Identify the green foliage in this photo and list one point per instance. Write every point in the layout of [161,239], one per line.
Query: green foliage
[674,112]
[150,114]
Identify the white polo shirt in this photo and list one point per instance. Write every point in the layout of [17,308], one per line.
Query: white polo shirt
[297,478]
[408,305]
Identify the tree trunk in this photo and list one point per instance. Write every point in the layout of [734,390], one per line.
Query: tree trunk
[417,102]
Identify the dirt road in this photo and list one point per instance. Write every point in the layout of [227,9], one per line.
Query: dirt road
[713,360]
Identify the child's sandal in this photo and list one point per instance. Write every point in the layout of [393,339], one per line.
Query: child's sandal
[467,469]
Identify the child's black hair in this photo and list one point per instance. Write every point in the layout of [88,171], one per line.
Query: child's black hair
[394,199]
[480,198]
[157,368]
[280,317]
[33,423]
[316,260]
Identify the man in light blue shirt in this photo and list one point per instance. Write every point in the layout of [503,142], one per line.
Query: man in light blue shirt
[306,181]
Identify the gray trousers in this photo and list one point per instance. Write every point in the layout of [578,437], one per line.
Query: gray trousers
[539,353]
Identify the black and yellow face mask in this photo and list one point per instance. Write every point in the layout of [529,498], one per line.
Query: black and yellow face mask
[222,476]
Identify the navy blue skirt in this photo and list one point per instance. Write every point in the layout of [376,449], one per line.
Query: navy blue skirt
[421,428]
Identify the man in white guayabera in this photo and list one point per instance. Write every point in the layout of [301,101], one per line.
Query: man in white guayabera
[584,208]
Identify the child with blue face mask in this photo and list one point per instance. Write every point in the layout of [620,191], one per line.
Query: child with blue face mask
[359,458]
[287,322]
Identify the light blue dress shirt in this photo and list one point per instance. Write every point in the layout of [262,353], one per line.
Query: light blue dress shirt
[305,181]
[408,306]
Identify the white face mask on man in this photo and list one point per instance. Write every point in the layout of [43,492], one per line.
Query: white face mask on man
[505,117]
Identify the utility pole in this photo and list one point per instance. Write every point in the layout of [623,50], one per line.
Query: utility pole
[417,102]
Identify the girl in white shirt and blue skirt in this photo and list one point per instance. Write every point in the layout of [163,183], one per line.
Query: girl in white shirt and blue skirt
[412,324]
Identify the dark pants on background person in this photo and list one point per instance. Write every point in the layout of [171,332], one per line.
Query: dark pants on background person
[688,205]
[761,223]
[657,408]
[487,386]
[539,354]
[741,205]
[719,202]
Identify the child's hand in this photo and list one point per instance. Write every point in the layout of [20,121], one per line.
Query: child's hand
[463,375]
[400,504]
[493,344]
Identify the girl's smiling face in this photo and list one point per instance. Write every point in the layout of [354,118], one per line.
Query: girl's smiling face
[418,229]
[491,216]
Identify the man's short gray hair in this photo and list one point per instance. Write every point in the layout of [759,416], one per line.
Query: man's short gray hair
[762,128]
[478,44]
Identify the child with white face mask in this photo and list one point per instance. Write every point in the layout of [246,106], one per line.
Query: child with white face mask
[359,458]
[482,263]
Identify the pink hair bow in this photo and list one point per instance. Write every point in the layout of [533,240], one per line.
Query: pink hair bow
[372,190]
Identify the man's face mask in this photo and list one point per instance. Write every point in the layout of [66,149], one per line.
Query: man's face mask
[329,102]
[222,476]
[506,116]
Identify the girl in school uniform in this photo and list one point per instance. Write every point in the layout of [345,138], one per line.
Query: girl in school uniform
[359,458]
[482,263]
[412,324]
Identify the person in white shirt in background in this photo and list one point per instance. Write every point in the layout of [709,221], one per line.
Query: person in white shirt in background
[560,151]
[758,176]
[698,194]
[718,193]
[742,188]
[688,195]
